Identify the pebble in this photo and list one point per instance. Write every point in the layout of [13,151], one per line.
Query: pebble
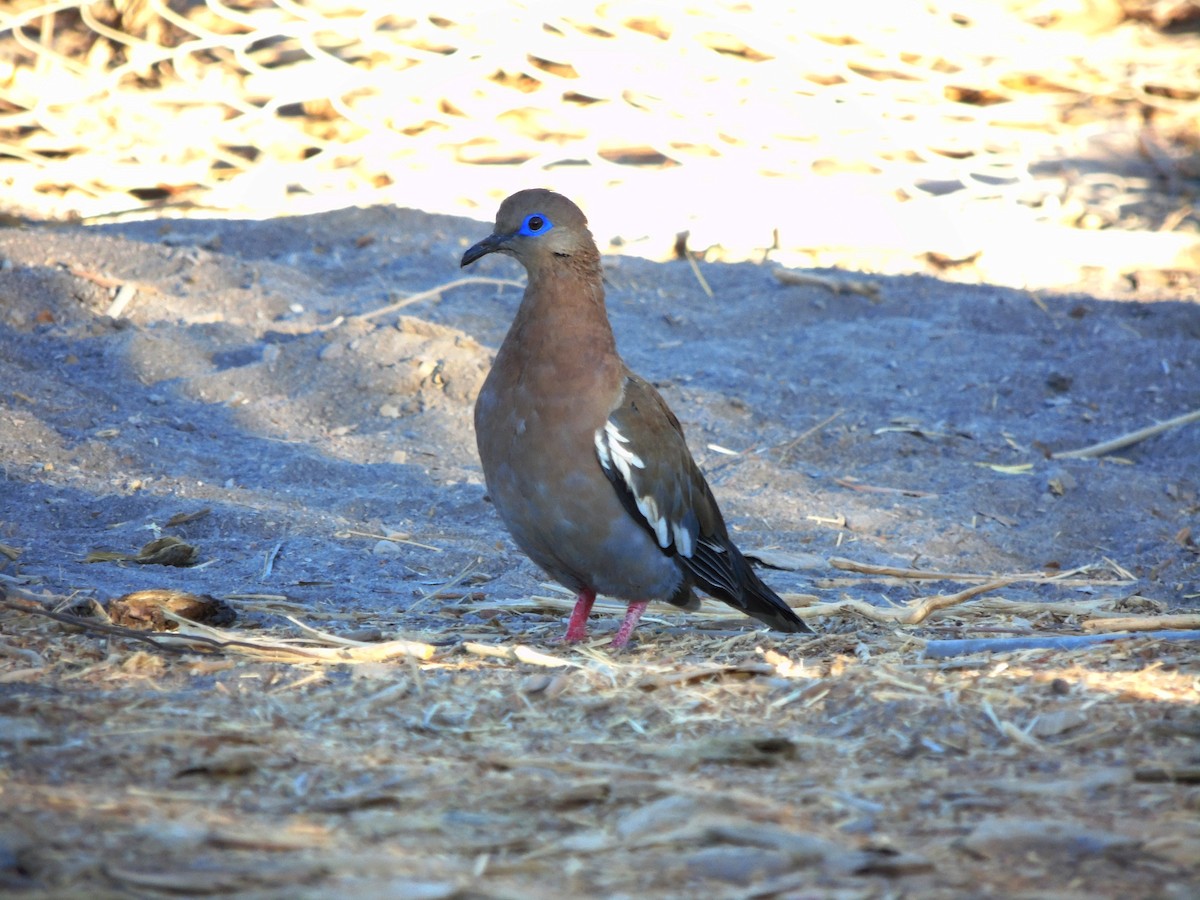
[332,350]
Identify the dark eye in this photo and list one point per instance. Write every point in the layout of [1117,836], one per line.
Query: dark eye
[535,224]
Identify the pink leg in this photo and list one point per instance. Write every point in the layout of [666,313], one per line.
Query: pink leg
[621,638]
[577,627]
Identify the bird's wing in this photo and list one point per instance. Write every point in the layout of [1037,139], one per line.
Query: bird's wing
[642,450]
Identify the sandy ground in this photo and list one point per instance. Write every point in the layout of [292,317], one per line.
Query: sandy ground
[239,390]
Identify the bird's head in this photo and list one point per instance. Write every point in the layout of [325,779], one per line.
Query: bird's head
[536,227]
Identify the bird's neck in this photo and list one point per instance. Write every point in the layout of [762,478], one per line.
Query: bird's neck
[564,308]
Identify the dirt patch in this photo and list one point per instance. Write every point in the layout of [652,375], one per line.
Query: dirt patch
[323,467]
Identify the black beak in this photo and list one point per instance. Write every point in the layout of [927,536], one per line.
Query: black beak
[489,244]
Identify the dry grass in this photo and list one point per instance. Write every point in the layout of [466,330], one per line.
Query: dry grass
[1015,142]
[707,761]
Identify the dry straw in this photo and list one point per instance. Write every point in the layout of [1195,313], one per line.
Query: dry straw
[937,135]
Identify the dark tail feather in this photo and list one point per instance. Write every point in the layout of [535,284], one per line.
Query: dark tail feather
[767,606]
[738,585]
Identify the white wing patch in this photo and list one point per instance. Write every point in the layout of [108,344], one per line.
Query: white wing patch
[648,507]
[614,453]
[610,446]
[683,541]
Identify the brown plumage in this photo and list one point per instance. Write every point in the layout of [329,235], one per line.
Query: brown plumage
[584,461]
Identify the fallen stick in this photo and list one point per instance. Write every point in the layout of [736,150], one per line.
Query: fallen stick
[701,673]
[787,448]
[853,485]
[447,587]
[1184,774]
[433,292]
[197,638]
[1181,621]
[867,289]
[946,649]
[910,614]
[286,650]
[516,653]
[691,258]
[1127,440]
[682,252]
[84,624]
[850,565]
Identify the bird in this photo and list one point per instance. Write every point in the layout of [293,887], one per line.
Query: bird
[584,461]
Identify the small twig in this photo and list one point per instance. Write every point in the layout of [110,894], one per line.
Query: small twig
[853,485]
[1010,730]
[324,636]
[850,565]
[691,258]
[433,292]
[912,613]
[269,562]
[125,294]
[282,651]
[1184,774]
[192,634]
[10,587]
[786,450]
[866,289]
[125,290]
[449,585]
[983,629]
[104,281]
[701,673]
[1126,440]
[682,252]
[516,653]
[394,538]
[89,625]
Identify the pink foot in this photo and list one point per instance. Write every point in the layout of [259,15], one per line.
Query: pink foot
[577,627]
[621,638]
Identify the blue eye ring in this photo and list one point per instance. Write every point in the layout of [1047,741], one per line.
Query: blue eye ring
[535,224]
